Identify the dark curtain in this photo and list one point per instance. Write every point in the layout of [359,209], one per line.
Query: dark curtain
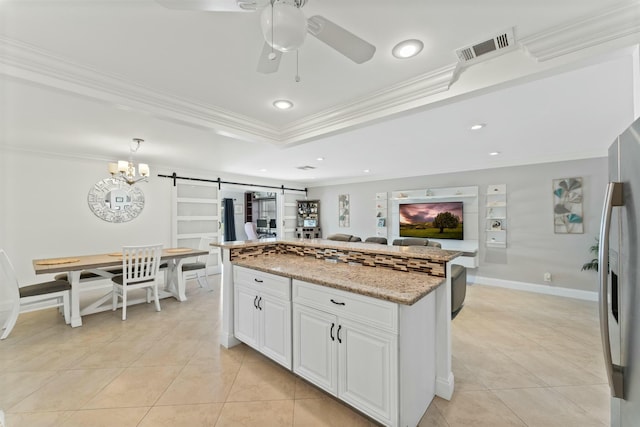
[229,221]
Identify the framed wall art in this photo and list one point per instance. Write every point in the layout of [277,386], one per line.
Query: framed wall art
[567,206]
[343,210]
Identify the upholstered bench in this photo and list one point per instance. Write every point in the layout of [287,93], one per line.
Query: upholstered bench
[86,275]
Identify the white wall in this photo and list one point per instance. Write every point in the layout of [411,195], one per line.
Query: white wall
[532,247]
[44,211]
[47,215]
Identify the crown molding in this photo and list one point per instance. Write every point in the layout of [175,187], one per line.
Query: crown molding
[31,63]
[394,99]
[617,22]
[28,62]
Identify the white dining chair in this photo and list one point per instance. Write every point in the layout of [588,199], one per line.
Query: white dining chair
[55,293]
[199,267]
[250,229]
[140,266]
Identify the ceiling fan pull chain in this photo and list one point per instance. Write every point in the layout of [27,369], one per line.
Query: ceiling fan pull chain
[272,55]
[297,66]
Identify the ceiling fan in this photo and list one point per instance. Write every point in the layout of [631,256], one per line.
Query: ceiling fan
[284,27]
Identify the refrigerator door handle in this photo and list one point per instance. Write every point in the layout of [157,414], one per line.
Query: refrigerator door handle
[613,197]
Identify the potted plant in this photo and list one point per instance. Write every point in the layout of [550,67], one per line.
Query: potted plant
[593,264]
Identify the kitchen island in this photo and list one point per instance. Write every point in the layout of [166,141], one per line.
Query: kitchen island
[369,324]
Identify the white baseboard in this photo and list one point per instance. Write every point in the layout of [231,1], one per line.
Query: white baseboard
[532,287]
[444,387]
[228,340]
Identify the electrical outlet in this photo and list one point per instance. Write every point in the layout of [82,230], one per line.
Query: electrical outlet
[547,277]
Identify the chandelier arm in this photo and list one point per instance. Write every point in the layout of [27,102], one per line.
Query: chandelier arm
[125,171]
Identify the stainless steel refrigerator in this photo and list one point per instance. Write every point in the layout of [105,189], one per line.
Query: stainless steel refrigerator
[619,270]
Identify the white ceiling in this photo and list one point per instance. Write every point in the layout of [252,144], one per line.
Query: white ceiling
[84,77]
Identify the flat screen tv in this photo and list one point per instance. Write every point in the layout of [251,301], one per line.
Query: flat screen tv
[436,220]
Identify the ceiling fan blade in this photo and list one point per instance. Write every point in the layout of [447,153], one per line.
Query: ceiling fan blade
[211,5]
[266,65]
[345,42]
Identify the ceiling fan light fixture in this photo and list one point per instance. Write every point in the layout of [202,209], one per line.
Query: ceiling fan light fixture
[283,104]
[284,26]
[407,49]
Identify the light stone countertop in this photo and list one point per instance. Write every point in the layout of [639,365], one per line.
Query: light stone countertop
[420,252]
[396,286]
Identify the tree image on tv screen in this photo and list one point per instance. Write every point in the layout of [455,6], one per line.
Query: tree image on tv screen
[439,220]
[445,220]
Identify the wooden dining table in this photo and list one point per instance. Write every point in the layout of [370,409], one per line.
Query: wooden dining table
[100,264]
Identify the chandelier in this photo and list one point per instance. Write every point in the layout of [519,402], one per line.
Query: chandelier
[125,170]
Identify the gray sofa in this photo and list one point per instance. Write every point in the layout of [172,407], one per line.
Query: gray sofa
[379,240]
[344,238]
[410,241]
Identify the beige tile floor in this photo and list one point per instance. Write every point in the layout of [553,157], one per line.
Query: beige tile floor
[519,359]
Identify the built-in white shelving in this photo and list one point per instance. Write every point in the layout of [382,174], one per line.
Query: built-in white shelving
[436,193]
[381,215]
[308,219]
[496,216]
[467,195]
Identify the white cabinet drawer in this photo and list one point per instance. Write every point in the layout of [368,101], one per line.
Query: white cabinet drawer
[369,311]
[266,283]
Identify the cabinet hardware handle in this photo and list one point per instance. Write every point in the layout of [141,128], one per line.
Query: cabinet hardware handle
[255,302]
[333,325]
[259,307]
[338,334]
[258,280]
[336,302]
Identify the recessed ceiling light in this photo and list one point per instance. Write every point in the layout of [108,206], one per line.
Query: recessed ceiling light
[262,170]
[494,153]
[407,49]
[478,126]
[283,104]
[366,171]
[320,159]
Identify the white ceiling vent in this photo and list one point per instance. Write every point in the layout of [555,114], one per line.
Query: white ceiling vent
[499,44]
[306,168]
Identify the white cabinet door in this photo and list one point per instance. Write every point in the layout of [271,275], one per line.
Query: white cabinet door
[368,370]
[262,314]
[246,315]
[314,347]
[275,329]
